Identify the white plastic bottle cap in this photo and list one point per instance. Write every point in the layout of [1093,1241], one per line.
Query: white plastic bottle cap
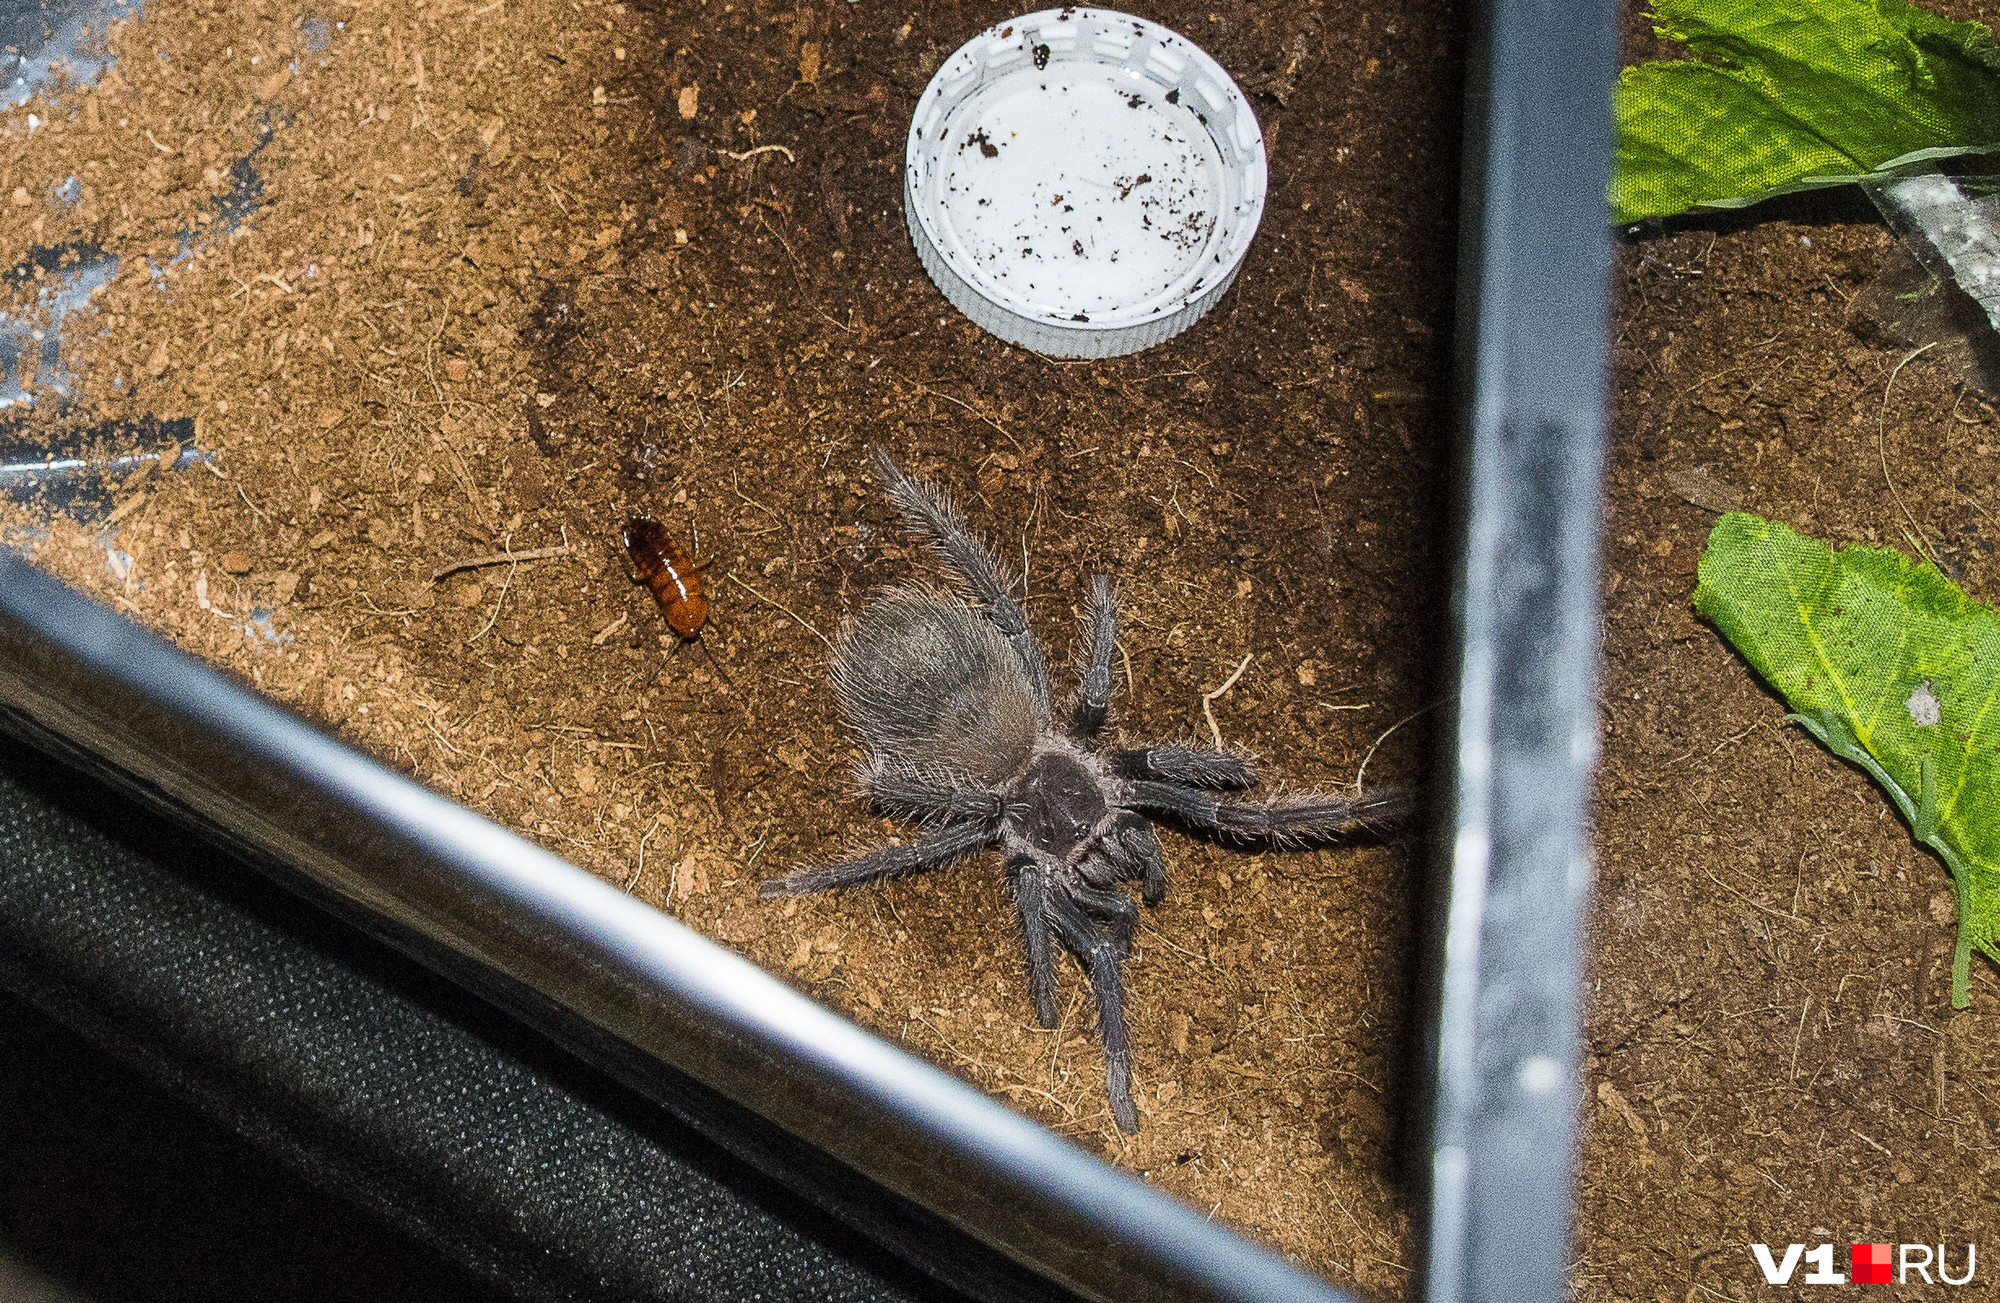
[1082,182]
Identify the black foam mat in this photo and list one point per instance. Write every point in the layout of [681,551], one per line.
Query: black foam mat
[491,1156]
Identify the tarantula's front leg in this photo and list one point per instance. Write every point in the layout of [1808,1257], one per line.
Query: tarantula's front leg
[931,515]
[1032,888]
[1093,699]
[1034,880]
[1101,950]
[1215,771]
[934,850]
[1306,817]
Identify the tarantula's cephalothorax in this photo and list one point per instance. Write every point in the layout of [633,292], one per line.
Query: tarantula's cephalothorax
[953,707]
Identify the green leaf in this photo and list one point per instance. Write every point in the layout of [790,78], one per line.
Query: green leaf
[1787,95]
[1893,669]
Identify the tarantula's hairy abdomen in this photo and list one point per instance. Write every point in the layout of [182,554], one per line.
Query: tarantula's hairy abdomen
[931,685]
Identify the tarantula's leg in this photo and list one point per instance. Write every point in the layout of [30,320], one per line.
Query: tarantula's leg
[1100,616]
[1101,953]
[1217,771]
[1031,896]
[933,850]
[931,514]
[1138,853]
[932,800]
[1295,820]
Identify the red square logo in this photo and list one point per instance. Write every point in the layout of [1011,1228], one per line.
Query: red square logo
[1871,1264]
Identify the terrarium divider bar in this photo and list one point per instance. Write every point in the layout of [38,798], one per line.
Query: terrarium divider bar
[1512,863]
[431,869]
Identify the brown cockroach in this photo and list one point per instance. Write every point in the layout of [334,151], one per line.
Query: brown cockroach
[659,562]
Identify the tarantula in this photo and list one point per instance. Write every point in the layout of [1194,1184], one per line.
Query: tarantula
[953,707]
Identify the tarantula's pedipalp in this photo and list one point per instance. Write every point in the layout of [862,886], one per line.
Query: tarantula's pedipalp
[1291,821]
[1093,697]
[1116,910]
[1137,851]
[934,850]
[932,515]
[1215,771]
[952,706]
